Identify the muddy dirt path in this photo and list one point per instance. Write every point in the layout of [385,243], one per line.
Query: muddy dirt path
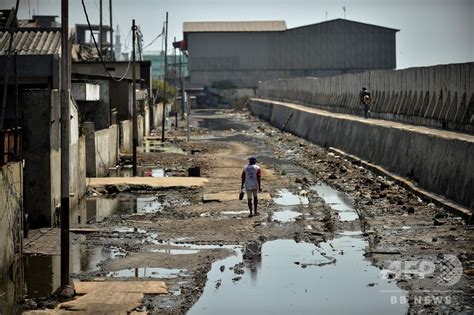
[331,236]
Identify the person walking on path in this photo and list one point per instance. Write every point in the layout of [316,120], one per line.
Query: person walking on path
[365,100]
[251,180]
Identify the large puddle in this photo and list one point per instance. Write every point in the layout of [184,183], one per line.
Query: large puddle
[300,278]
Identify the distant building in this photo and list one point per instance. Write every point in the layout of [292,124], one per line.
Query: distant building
[238,55]
[157,59]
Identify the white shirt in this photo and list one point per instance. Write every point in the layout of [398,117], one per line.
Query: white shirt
[251,172]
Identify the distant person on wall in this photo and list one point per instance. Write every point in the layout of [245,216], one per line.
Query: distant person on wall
[251,180]
[365,101]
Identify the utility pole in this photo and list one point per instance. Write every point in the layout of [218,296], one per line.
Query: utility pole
[164,83]
[100,28]
[134,104]
[181,74]
[175,82]
[112,55]
[65,142]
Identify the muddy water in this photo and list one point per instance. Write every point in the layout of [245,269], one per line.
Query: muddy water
[127,171]
[337,200]
[289,204]
[42,273]
[160,273]
[98,208]
[302,278]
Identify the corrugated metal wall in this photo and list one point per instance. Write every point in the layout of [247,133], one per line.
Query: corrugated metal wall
[322,49]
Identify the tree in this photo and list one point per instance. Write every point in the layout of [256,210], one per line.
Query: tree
[159,86]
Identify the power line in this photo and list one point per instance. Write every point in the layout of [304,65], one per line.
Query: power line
[98,50]
[155,39]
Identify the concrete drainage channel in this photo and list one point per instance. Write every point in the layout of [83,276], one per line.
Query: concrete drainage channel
[304,253]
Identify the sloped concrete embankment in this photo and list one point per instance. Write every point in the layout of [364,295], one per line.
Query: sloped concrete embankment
[437,160]
[438,96]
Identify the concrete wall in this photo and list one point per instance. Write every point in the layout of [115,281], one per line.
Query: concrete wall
[322,49]
[121,98]
[11,194]
[11,188]
[41,152]
[439,164]
[77,181]
[439,96]
[101,150]
[140,129]
[126,137]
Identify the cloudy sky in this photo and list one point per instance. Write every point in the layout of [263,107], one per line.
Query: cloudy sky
[431,31]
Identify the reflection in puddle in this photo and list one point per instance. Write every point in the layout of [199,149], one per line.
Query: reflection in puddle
[175,251]
[146,273]
[300,278]
[337,200]
[42,273]
[286,215]
[99,208]
[154,172]
[287,198]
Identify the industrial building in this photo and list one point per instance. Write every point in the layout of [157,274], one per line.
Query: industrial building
[237,55]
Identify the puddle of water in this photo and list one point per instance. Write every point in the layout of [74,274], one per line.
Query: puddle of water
[288,280]
[161,273]
[287,198]
[286,215]
[121,171]
[154,172]
[98,208]
[235,212]
[152,145]
[221,123]
[128,230]
[337,200]
[42,273]
[176,251]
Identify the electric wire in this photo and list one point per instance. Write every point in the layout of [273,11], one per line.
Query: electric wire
[98,50]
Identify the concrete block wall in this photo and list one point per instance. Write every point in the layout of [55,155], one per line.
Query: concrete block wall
[126,137]
[11,194]
[11,190]
[101,149]
[441,164]
[438,96]
[41,152]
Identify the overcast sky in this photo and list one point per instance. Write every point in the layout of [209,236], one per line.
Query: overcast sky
[431,31]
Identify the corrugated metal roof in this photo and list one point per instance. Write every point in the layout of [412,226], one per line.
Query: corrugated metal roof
[32,42]
[246,26]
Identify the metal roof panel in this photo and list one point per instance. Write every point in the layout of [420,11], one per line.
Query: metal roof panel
[32,42]
[242,26]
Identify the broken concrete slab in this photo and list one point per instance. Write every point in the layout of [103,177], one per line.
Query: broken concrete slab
[104,302]
[230,196]
[153,182]
[146,287]
[110,297]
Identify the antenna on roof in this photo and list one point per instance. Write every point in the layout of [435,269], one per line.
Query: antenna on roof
[344,9]
[326,15]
